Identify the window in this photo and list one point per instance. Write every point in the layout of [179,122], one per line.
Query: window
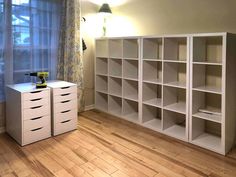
[29,35]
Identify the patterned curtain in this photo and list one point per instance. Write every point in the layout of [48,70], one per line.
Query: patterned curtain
[70,64]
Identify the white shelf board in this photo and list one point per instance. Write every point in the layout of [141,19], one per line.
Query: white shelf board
[119,77]
[128,58]
[175,61]
[208,141]
[133,97]
[133,117]
[176,84]
[102,91]
[176,131]
[210,117]
[154,124]
[153,102]
[118,58]
[154,59]
[179,107]
[153,81]
[101,74]
[207,63]
[210,89]
[116,94]
[129,78]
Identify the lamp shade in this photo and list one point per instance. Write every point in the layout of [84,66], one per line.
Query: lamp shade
[105,8]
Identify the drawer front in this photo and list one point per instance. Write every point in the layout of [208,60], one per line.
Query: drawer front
[37,134]
[65,126]
[36,111]
[65,115]
[36,122]
[65,105]
[36,102]
[64,97]
[65,90]
[36,94]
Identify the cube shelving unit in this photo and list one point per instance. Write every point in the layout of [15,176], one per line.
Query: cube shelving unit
[178,85]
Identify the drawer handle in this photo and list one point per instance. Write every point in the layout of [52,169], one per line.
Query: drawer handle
[65,101]
[65,121]
[65,87]
[36,91]
[65,94]
[36,129]
[37,99]
[35,107]
[66,111]
[36,118]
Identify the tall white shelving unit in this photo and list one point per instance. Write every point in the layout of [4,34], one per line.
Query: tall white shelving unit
[117,77]
[179,85]
[213,97]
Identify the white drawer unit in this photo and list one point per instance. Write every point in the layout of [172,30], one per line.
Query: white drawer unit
[28,113]
[64,106]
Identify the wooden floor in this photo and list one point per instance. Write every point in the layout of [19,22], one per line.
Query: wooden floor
[104,146]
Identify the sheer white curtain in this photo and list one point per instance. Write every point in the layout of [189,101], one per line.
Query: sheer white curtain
[29,36]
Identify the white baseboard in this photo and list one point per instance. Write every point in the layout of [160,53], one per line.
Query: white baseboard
[89,107]
[2,129]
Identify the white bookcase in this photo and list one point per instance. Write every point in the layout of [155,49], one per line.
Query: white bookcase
[178,85]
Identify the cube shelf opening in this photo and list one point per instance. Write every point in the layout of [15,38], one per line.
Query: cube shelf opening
[130,48]
[174,99]
[175,74]
[152,48]
[101,83]
[152,117]
[130,110]
[101,66]
[207,49]
[130,69]
[152,94]
[130,89]
[174,124]
[152,71]
[206,134]
[115,48]
[102,48]
[115,67]
[101,101]
[175,48]
[115,86]
[115,105]
[207,106]
[207,78]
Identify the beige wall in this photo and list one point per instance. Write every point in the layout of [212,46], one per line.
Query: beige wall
[153,17]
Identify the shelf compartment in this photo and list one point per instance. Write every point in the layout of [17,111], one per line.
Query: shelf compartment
[130,89]
[115,67]
[101,83]
[206,134]
[207,78]
[174,124]
[151,117]
[175,48]
[130,48]
[101,101]
[115,105]
[174,99]
[115,48]
[102,48]
[130,110]
[175,74]
[208,49]
[210,103]
[101,66]
[152,48]
[130,69]
[152,94]
[152,71]
[115,86]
